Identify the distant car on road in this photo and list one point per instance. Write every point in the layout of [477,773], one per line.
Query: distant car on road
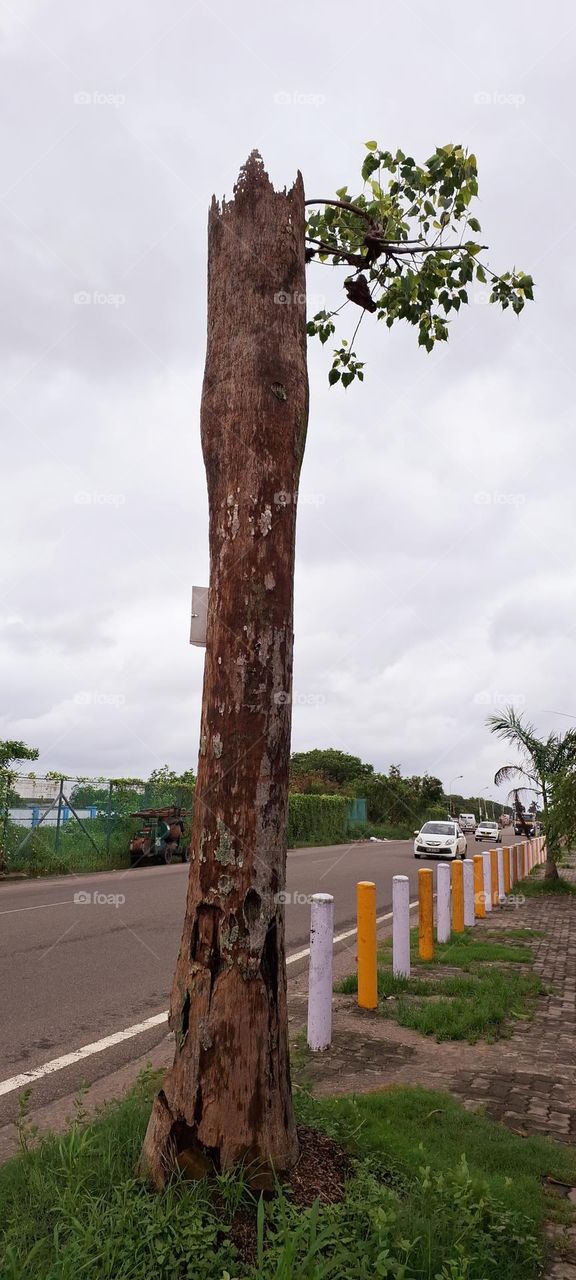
[467,821]
[440,840]
[488,831]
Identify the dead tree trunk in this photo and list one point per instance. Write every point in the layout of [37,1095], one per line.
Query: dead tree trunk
[227,1097]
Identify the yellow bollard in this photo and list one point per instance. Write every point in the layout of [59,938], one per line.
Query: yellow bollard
[366,917]
[506,852]
[426,914]
[514,863]
[479,905]
[494,876]
[457,896]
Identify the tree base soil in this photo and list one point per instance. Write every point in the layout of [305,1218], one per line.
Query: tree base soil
[320,1174]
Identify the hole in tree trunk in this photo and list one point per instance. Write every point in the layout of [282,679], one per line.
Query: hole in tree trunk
[185,1017]
[251,907]
[204,945]
[269,965]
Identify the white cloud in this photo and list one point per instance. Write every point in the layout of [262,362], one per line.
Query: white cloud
[436,528]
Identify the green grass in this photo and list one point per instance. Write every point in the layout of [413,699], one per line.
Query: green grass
[467,949]
[522,934]
[473,1004]
[436,1194]
[533,888]
[473,1007]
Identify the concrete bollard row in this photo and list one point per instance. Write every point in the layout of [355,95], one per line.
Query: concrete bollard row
[500,859]
[426,913]
[457,897]
[367,966]
[401,926]
[466,891]
[320,973]
[443,902]
[487,862]
[468,872]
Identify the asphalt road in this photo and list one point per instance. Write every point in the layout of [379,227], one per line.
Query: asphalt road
[73,973]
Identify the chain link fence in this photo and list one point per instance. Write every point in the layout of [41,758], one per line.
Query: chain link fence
[56,824]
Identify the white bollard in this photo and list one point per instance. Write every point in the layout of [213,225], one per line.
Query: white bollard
[468,869]
[487,882]
[501,893]
[443,902]
[320,972]
[401,926]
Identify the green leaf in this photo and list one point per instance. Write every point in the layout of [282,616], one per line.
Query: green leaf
[370,146]
[369,166]
[333,376]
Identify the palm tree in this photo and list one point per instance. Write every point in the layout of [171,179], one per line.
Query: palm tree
[543,762]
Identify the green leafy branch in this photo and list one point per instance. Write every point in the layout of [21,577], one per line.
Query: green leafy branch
[412,245]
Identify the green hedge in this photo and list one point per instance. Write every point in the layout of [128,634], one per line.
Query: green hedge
[318,819]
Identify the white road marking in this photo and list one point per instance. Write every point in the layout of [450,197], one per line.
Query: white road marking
[40,907]
[68,1059]
[98,1046]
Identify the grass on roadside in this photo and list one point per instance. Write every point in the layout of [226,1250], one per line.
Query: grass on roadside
[466,949]
[436,1194]
[533,887]
[523,934]
[474,1003]
[473,1007]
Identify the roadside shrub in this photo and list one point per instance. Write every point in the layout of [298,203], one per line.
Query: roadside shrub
[318,819]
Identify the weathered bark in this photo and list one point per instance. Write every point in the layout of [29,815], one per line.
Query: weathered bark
[227,1097]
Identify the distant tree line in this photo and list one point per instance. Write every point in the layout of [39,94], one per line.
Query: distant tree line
[391,799]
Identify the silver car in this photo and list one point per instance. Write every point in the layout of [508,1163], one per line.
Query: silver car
[440,840]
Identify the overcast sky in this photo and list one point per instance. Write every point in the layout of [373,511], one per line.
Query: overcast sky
[435,567]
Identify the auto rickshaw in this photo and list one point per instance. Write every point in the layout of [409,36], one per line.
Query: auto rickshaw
[160,838]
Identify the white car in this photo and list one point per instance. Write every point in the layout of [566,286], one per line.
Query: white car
[488,831]
[440,840]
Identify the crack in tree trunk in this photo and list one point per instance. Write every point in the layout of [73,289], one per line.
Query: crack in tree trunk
[227,1097]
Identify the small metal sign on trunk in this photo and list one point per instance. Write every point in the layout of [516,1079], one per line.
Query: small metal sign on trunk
[199,619]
